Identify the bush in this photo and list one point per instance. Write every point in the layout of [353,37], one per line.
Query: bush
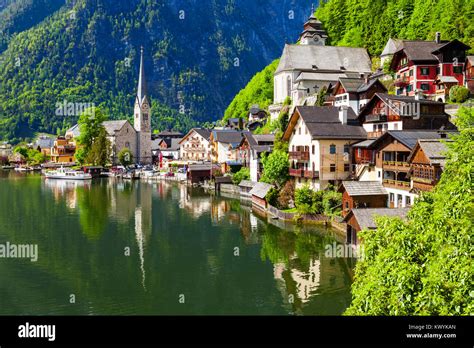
[272,197]
[242,174]
[125,157]
[458,94]
[304,200]
[308,201]
[286,195]
[275,168]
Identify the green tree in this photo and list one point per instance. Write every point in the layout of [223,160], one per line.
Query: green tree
[242,174]
[423,266]
[91,128]
[125,157]
[275,168]
[458,94]
[99,154]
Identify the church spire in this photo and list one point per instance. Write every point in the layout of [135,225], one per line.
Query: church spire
[142,90]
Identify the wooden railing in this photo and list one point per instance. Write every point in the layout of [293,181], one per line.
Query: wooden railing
[311,174]
[396,183]
[299,155]
[296,172]
[396,165]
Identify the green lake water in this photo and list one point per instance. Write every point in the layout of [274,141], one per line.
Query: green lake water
[138,248]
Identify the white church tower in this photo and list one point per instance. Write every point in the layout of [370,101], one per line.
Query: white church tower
[142,118]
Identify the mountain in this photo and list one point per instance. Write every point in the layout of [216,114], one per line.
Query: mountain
[198,55]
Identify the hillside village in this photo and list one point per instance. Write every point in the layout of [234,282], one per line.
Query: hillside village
[376,139]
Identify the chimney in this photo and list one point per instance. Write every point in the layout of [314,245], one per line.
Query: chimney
[438,37]
[343,114]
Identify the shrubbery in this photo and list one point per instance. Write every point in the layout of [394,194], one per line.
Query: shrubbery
[458,94]
[326,202]
[242,174]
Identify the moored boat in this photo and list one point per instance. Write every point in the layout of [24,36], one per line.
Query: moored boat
[67,174]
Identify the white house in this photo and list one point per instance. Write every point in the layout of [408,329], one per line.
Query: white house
[195,145]
[320,140]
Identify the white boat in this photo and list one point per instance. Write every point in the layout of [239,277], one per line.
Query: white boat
[23,169]
[67,174]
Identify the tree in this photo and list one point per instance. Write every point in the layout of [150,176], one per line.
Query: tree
[90,125]
[125,157]
[242,174]
[275,168]
[286,195]
[99,153]
[458,94]
[423,266]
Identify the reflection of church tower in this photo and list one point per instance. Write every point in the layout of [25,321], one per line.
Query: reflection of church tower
[143,223]
[142,117]
[313,33]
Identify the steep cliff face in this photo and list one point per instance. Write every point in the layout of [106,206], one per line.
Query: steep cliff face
[199,54]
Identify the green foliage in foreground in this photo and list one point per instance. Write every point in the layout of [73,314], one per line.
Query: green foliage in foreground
[258,91]
[424,266]
[275,168]
[325,202]
[242,174]
[458,94]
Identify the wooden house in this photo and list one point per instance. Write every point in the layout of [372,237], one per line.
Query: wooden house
[362,194]
[258,193]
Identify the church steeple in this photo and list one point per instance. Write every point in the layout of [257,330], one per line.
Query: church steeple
[142,88]
[313,32]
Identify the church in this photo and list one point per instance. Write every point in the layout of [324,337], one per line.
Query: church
[309,66]
[122,134]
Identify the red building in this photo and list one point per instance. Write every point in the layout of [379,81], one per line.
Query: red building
[431,67]
[469,73]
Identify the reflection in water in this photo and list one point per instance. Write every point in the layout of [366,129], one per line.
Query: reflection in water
[181,241]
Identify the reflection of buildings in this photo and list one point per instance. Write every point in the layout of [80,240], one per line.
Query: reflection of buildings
[195,206]
[66,189]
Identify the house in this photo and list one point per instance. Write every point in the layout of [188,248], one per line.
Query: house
[386,112]
[250,152]
[309,67]
[258,193]
[224,147]
[356,92]
[392,46]
[235,123]
[197,173]
[320,140]
[63,150]
[6,150]
[391,163]
[469,74]
[43,144]
[362,194]
[195,145]
[364,219]
[427,162]
[168,148]
[245,187]
[419,64]
[256,118]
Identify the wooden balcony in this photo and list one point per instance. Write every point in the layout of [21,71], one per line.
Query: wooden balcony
[402,81]
[376,117]
[298,173]
[312,174]
[299,155]
[403,185]
[372,135]
[396,166]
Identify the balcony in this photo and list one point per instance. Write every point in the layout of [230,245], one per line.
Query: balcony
[298,173]
[299,155]
[396,166]
[404,185]
[379,117]
[402,81]
[373,135]
[311,174]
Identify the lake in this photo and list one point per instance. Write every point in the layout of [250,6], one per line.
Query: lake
[135,248]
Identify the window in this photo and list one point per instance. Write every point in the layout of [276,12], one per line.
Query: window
[425,71]
[347,167]
[407,201]
[347,205]
[438,70]
[399,200]
[409,88]
[346,149]
[457,69]
[395,126]
[312,149]
[299,130]
[411,72]
[332,168]
[379,174]
[127,145]
[425,87]
[392,197]
[332,149]
[288,86]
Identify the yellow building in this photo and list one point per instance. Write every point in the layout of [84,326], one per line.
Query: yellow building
[63,150]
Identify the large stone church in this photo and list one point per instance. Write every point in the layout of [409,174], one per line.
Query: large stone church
[122,134]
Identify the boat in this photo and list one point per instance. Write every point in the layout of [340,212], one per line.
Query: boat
[8,167]
[67,174]
[131,175]
[23,169]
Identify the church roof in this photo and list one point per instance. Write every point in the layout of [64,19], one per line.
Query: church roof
[142,87]
[317,58]
[113,126]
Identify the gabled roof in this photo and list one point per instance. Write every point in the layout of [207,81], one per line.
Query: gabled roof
[260,189]
[169,133]
[325,58]
[205,133]
[74,130]
[247,183]
[228,136]
[364,188]
[173,145]
[391,47]
[434,150]
[409,138]
[114,126]
[366,216]
[323,123]
[259,138]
